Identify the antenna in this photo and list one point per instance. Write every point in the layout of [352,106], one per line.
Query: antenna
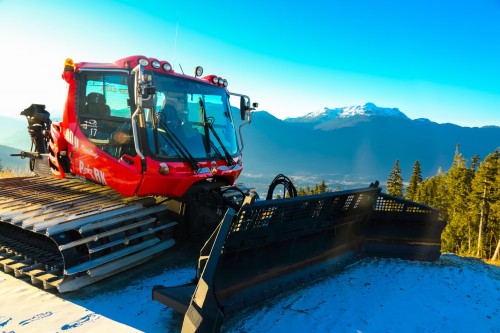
[175,43]
[176,33]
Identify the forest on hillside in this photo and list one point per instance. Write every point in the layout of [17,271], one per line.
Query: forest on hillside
[468,198]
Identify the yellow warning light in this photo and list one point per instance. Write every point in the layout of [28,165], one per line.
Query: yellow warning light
[69,70]
[69,64]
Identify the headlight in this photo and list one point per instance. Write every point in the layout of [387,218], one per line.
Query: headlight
[155,64]
[143,61]
[167,67]
[198,71]
[163,170]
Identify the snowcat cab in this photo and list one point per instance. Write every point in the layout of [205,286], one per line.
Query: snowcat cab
[142,129]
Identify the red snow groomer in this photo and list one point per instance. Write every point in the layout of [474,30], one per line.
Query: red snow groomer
[145,158]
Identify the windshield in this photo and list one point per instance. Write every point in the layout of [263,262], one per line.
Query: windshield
[190,120]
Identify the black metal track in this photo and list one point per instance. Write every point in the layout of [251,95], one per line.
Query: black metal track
[65,233]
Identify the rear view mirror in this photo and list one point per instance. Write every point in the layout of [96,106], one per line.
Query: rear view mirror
[244,106]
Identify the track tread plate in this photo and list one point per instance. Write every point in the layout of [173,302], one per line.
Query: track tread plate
[32,201]
[46,277]
[18,265]
[7,261]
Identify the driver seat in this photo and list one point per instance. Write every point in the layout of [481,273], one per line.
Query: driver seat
[95,104]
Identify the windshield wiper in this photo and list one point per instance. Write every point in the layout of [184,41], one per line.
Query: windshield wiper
[206,142]
[176,144]
[208,125]
[229,159]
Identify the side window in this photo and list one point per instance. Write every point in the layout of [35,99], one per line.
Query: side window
[105,115]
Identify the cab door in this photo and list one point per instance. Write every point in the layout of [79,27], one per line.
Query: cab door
[105,151]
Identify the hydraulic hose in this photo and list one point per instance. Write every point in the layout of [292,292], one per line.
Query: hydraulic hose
[288,187]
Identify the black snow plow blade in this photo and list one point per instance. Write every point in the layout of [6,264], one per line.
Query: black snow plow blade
[65,234]
[271,246]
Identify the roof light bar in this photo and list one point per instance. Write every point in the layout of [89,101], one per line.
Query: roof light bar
[143,61]
[214,79]
[156,64]
[167,67]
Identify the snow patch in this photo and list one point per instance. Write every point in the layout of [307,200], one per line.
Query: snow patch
[368,109]
[387,295]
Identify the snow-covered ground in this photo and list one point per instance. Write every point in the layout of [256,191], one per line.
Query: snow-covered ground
[453,294]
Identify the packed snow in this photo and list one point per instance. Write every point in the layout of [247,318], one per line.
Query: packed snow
[454,294]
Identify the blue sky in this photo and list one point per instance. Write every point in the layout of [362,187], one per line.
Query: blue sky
[431,59]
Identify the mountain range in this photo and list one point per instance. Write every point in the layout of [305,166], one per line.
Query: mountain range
[358,144]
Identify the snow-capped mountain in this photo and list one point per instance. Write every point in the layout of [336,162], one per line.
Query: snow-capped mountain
[367,109]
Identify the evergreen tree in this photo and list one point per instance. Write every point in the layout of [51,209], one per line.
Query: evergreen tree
[432,192]
[415,180]
[395,181]
[483,199]
[318,189]
[308,190]
[494,219]
[474,163]
[321,188]
[457,188]
[468,198]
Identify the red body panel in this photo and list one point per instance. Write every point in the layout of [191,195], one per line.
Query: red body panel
[181,177]
[57,144]
[125,174]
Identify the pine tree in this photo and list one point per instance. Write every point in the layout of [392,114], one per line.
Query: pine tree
[301,192]
[395,181]
[457,188]
[415,180]
[483,198]
[474,163]
[308,190]
[468,198]
[494,220]
[321,188]
[318,189]
[432,192]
